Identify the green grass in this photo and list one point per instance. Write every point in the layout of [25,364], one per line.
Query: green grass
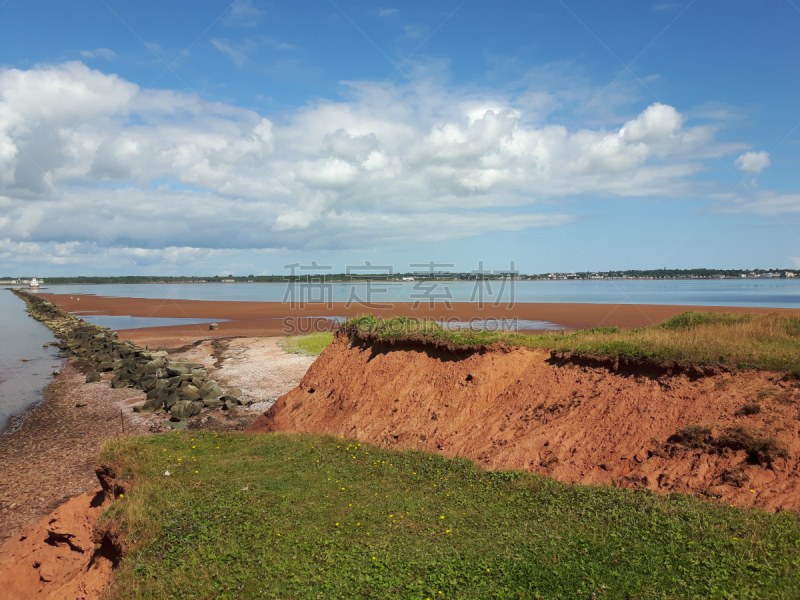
[763,341]
[312,344]
[280,516]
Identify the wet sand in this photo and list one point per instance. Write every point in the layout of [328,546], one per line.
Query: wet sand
[277,318]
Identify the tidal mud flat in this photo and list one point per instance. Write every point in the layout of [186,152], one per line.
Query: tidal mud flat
[245,318]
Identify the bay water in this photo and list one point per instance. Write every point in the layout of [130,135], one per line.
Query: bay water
[26,366]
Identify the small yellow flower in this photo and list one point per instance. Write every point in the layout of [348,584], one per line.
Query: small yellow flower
[122,495]
[337,524]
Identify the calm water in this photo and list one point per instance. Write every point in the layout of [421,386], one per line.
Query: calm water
[21,383]
[128,322]
[777,293]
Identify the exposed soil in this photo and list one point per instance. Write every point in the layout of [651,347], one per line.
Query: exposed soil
[520,409]
[59,558]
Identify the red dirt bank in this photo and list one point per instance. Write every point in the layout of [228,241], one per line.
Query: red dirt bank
[57,559]
[513,409]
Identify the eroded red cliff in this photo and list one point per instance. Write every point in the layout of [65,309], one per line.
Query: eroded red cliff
[517,408]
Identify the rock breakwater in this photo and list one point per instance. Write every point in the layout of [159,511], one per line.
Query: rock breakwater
[180,387]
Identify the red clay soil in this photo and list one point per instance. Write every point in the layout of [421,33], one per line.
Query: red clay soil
[56,558]
[518,409]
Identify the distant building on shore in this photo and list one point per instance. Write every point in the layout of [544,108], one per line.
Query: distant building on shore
[34,282]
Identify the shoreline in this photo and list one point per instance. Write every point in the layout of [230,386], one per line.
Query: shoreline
[280,319]
[49,453]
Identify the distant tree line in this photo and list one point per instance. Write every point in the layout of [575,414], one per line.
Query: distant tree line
[632,273]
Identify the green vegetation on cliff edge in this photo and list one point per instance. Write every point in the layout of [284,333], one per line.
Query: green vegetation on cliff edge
[761,341]
[311,344]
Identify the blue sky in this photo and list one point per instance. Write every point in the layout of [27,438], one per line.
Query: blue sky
[219,137]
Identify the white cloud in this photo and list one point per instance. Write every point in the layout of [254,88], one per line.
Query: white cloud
[243,14]
[387,12]
[753,162]
[415,31]
[766,203]
[106,53]
[273,43]
[239,53]
[151,170]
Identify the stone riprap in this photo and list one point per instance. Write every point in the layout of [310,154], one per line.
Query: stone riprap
[179,386]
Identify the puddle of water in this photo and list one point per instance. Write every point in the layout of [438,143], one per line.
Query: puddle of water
[128,322]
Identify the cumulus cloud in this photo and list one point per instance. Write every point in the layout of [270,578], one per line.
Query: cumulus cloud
[386,166]
[753,162]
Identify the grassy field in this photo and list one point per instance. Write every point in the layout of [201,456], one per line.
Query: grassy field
[279,516]
[767,341]
[312,344]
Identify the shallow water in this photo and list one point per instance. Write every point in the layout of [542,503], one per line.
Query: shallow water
[128,322]
[22,382]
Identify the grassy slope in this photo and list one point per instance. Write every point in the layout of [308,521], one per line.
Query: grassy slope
[312,344]
[769,341]
[278,516]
